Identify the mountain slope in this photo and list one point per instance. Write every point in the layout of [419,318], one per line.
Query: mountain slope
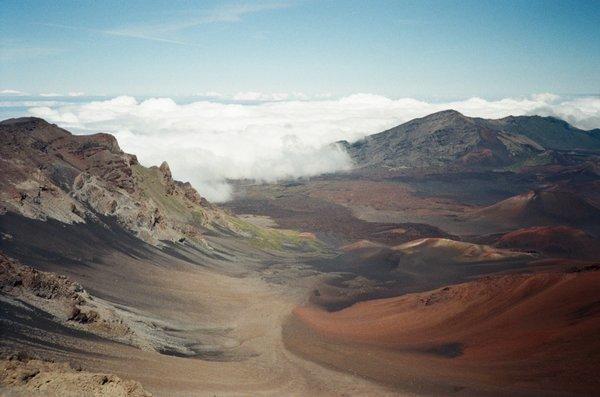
[372,270]
[549,132]
[536,208]
[449,139]
[552,240]
[502,331]
[187,280]
[48,173]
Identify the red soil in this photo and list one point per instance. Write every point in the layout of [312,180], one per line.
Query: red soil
[543,327]
[557,240]
[308,235]
[539,207]
[359,245]
[382,196]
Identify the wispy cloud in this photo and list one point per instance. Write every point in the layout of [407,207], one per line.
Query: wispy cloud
[144,36]
[113,33]
[160,32]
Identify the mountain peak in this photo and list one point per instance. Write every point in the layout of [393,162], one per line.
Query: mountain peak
[447,112]
[447,139]
[166,170]
[443,117]
[24,120]
[32,127]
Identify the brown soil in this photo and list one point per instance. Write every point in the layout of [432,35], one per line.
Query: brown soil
[552,240]
[331,221]
[368,270]
[381,195]
[216,307]
[531,333]
[535,208]
[222,313]
[32,377]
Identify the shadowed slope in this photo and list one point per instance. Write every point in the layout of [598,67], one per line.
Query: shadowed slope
[367,270]
[561,241]
[535,208]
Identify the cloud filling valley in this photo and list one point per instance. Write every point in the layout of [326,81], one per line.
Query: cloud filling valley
[208,142]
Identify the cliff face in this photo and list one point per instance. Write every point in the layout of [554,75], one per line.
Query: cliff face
[47,172]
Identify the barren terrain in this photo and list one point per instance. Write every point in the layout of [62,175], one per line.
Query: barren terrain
[472,273]
[483,337]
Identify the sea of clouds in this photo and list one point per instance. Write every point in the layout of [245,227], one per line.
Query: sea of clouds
[270,137]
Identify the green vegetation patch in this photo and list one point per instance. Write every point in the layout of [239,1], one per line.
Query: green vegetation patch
[534,161]
[152,187]
[276,239]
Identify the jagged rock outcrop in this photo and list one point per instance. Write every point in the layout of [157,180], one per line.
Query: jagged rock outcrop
[65,299]
[17,279]
[50,173]
[167,177]
[34,377]
[71,305]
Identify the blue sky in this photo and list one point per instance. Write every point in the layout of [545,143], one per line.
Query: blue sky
[425,49]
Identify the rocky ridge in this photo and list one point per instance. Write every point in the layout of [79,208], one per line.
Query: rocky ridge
[50,173]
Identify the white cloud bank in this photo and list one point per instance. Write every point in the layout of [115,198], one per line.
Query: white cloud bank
[11,92]
[208,142]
